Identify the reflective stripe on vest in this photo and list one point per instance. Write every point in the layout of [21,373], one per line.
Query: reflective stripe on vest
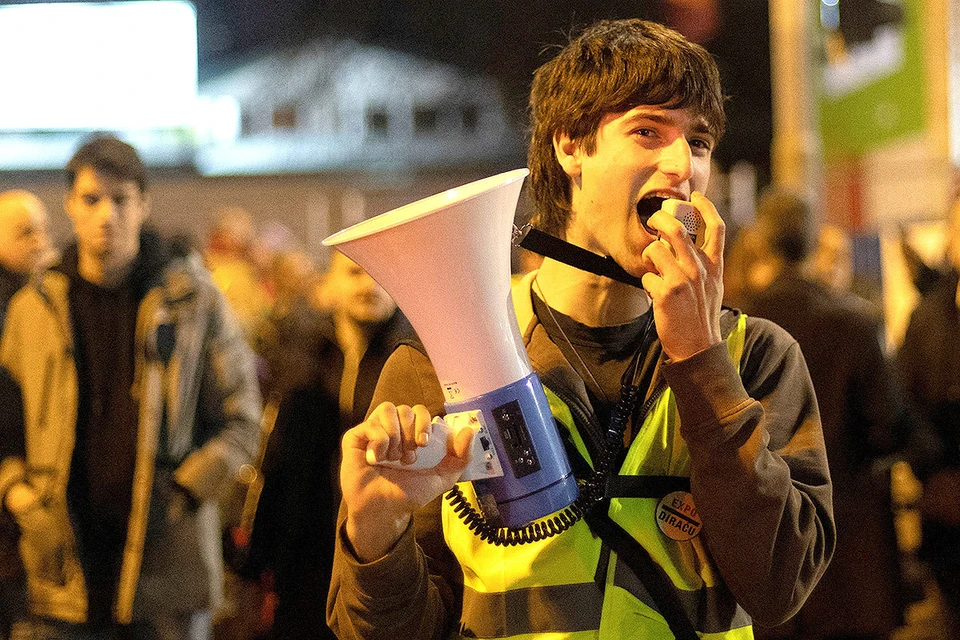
[548,589]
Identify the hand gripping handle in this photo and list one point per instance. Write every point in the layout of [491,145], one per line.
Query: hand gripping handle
[429,455]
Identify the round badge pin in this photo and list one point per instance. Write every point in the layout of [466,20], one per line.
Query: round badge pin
[677,516]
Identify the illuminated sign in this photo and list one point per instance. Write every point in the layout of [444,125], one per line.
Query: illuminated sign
[119,66]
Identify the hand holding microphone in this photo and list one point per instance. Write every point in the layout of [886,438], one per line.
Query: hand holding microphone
[685,279]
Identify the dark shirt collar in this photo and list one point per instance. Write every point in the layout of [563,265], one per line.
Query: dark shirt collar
[147,268]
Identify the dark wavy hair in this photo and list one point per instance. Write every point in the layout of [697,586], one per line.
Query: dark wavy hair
[108,155]
[611,67]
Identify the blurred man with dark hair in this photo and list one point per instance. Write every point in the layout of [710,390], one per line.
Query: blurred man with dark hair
[140,403]
[865,423]
[293,534]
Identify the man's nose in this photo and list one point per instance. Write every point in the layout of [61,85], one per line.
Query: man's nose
[676,160]
[365,283]
[107,210]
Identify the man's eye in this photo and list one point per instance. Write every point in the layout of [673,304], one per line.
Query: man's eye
[91,200]
[703,145]
[120,201]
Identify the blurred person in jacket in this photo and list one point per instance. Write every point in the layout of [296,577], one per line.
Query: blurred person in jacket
[230,256]
[293,533]
[929,362]
[139,403]
[285,338]
[866,422]
[24,250]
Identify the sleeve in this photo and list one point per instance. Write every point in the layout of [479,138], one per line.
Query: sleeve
[13,448]
[229,407]
[416,589]
[759,471]
[267,523]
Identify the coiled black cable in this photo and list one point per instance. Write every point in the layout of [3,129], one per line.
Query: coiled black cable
[592,490]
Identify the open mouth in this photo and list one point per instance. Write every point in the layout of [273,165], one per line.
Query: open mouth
[648,206]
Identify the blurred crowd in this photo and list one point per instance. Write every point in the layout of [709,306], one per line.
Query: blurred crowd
[247,412]
[890,419]
[170,412]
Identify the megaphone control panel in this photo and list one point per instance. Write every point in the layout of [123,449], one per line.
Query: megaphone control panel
[515,436]
[485,463]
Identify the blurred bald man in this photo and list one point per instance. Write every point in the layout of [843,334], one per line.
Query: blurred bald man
[24,243]
[24,247]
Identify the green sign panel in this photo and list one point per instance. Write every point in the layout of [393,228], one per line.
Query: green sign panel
[873,88]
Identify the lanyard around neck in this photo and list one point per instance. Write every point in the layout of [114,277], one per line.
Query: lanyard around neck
[549,246]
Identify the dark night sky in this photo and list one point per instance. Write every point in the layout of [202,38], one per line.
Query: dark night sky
[505,38]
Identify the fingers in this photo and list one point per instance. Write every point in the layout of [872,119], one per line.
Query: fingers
[391,433]
[675,256]
[402,440]
[417,429]
[670,231]
[461,445]
[715,234]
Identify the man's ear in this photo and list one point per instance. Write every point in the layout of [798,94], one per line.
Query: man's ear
[68,204]
[568,152]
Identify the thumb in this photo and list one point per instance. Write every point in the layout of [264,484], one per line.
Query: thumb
[459,448]
[462,444]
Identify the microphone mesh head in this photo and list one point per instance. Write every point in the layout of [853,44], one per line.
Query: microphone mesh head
[689,218]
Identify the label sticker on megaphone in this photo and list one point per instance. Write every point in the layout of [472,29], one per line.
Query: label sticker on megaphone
[452,391]
[484,462]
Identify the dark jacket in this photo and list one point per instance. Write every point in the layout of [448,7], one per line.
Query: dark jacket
[10,283]
[11,566]
[864,422]
[293,533]
[929,362]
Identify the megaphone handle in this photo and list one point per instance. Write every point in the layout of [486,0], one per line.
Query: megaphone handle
[429,455]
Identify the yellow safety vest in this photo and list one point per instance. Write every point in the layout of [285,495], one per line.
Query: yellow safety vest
[549,589]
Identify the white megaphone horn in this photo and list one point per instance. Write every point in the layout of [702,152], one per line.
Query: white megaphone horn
[445,260]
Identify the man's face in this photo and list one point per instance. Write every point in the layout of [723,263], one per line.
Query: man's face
[107,214]
[23,234]
[356,294]
[647,151]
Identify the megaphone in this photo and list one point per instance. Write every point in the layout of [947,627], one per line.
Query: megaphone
[445,260]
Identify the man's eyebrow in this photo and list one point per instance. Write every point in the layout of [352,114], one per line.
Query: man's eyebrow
[654,117]
[699,125]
